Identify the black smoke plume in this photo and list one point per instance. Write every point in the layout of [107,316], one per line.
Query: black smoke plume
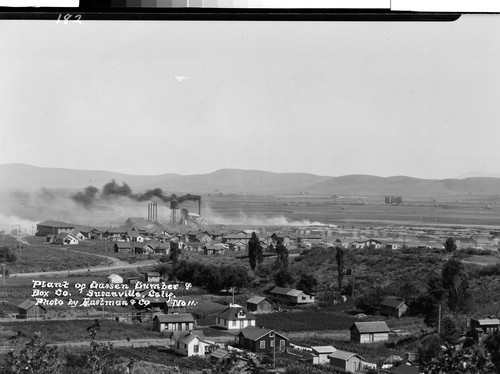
[112,190]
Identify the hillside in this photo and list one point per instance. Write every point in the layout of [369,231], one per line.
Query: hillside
[30,178]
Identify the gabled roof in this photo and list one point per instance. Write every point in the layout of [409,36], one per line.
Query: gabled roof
[28,304]
[323,349]
[173,318]
[255,333]
[392,302]
[371,327]
[126,245]
[231,314]
[343,355]
[258,299]
[488,321]
[287,291]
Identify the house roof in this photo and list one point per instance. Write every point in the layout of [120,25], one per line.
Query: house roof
[152,274]
[258,300]
[405,369]
[123,245]
[167,318]
[323,349]
[115,276]
[343,355]
[255,333]
[286,291]
[231,314]
[488,321]
[392,302]
[28,304]
[371,327]
[57,224]
[219,353]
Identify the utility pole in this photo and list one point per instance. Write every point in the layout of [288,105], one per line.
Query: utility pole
[68,262]
[439,319]
[274,349]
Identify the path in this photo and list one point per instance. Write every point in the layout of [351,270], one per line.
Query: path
[115,264]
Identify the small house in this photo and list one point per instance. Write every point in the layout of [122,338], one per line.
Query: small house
[480,327]
[234,318]
[70,239]
[123,247]
[29,309]
[193,343]
[393,307]
[347,361]
[369,332]
[260,340]
[259,304]
[173,322]
[115,279]
[290,296]
[220,355]
[152,277]
[320,354]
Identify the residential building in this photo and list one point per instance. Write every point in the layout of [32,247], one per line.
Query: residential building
[260,340]
[192,343]
[483,326]
[290,296]
[347,361]
[234,318]
[369,332]
[173,322]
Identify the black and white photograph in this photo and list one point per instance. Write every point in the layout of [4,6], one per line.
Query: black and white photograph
[224,195]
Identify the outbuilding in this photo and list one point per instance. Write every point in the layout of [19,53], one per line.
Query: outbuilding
[29,309]
[347,361]
[369,332]
[393,307]
[259,304]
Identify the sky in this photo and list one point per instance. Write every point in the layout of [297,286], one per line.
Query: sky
[328,98]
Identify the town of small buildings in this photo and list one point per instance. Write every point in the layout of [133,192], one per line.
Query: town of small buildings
[237,339]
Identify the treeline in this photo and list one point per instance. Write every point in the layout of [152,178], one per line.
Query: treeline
[208,276]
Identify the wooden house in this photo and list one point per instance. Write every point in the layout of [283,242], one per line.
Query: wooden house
[259,304]
[115,279]
[260,340]
[290,296]
[214,249]
[480,327]
[173,322]
[393,307]
[123,247]
[347,361]
[192,343]
[152,277]
[320,354]
[234,318]
[369,332]
[28,309]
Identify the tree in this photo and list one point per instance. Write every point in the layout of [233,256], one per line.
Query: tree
[470,360]
[307,282]
[339,257]
[7,255]
[492,345]
[35,357]
[450,245]
[456,282]
[281,255]
[174,251]
[450,330]
[283,278]
[255,252]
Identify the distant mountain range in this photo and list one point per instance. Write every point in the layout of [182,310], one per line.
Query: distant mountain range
[29,178]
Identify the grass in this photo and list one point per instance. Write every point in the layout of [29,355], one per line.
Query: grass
[76,330]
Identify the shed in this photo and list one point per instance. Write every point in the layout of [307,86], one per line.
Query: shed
[393,307]
[259,304]
[320,354]
[348,361]
[369,332]
[29,309]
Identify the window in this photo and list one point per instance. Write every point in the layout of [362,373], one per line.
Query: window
[233,323]
[263,344]
[196,348]
[272,343]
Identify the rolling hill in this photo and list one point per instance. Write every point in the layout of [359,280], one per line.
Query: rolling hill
[30,178]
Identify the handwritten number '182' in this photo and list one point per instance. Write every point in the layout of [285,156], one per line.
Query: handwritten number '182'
[68,17]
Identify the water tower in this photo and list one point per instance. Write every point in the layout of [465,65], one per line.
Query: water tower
[174,212]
